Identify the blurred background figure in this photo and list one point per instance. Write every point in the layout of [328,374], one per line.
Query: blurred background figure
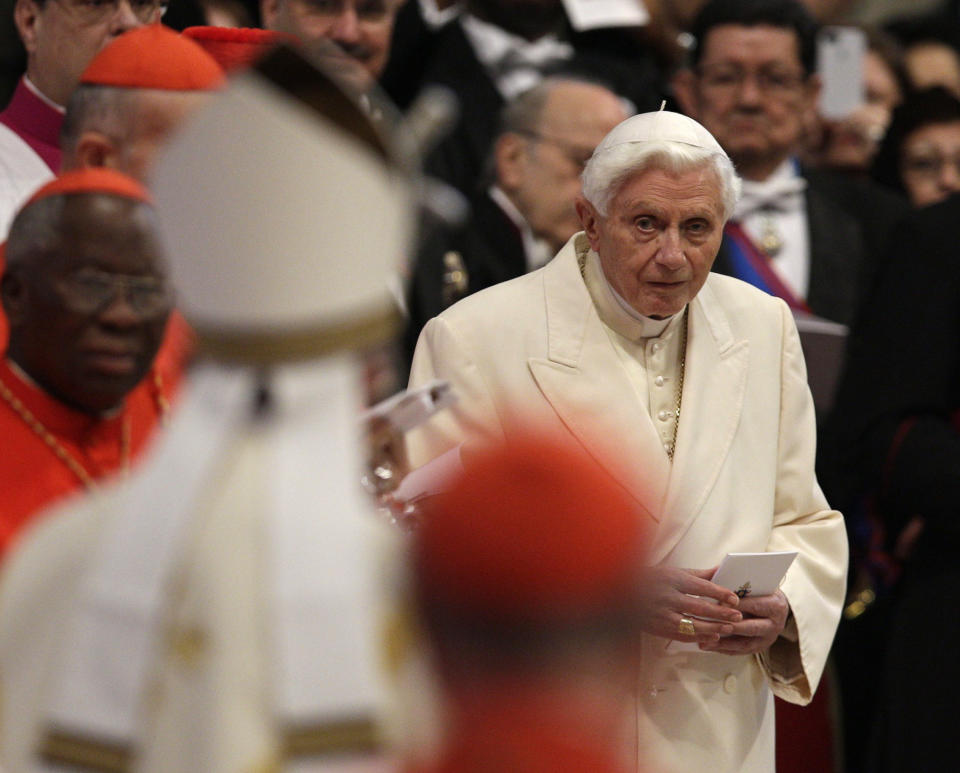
[920,155]
[527,213]
[802,234]
[86,296]
[932,62]
[353,36]
[219,610]
[526,578]
[900,452]
[493,50]
[849,144]
[60,37]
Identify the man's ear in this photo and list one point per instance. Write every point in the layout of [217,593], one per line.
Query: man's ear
[26,16]
[589,221]
[684,84]
[94,149]
[13,295]
[510,157]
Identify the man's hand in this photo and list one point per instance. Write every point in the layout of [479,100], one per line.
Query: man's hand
[669,594]
[763,620]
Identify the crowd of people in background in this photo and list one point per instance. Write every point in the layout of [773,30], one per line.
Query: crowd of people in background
[847,220]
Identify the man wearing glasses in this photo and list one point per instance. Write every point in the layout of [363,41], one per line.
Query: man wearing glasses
[60,37]
[353,35]
[800,234]
[526,212]
[87,298]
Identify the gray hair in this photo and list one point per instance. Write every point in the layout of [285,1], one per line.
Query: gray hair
[92,107]
[607,170]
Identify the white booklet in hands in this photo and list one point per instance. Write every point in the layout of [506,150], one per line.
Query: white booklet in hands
[746,574]
[753,574]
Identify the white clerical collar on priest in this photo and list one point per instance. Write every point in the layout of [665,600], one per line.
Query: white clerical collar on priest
[42,97]
[614,311]
[536,251]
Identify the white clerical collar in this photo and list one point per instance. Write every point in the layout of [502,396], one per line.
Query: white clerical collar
[613,310]
[43,97]
[536,250]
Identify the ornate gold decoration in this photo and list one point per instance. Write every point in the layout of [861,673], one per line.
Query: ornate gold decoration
[771,242]
[348,735]
[256,347]
[62,748]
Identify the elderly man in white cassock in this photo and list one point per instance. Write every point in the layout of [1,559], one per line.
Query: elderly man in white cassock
[217,611]
[698,380]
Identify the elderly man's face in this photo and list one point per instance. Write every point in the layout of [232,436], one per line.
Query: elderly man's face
[659,237]
[540,172]
[87,316]
[353,36]
[751,93]
[62,36]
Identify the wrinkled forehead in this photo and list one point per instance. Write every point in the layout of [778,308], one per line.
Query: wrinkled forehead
[696,187]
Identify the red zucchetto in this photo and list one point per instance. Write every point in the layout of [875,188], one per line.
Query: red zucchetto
[236,48]
[154,57]
[532,532]
[92,180]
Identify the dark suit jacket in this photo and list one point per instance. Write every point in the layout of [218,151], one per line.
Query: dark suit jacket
[491,249]
[446,58]
[850,222]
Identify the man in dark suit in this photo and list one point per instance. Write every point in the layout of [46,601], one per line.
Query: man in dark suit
[806,236]
[896,423]
[526,214]
[495,49]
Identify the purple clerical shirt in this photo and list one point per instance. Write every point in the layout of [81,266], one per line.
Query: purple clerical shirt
[36,122]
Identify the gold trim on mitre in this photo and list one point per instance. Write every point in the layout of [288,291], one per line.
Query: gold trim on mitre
[357,735]
[59,747]
[258,347]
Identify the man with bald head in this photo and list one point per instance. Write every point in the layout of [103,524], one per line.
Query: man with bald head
[86,296]
[60,37]
[526,214]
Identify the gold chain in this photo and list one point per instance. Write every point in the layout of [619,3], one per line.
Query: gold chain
[683,367]
[56,447]
[582,265]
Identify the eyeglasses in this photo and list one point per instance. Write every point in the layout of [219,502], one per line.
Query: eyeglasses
[728,80]
[90,290]
[575,154]
[97,11]
[930,166]
[366,10]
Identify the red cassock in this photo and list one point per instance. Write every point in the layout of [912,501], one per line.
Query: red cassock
[51,450]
